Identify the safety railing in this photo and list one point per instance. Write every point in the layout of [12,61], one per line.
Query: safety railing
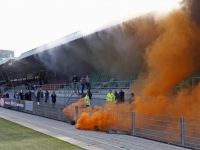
[175,130]
[99,85]
[68,89]
[43,109]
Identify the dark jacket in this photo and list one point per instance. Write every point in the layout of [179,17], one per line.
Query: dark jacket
[75,79]
[121,96]
[90,95]
[116,96]
[53,98]
[46,94]
[29,95]
[38,94]
[26,96]
[7,95]
[21,95]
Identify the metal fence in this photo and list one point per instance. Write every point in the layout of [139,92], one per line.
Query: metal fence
[71,86]
[43,109]
[174,130]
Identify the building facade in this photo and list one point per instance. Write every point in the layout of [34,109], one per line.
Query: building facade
[6,54]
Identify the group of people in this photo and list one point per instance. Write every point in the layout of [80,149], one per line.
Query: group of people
[40,95]
[110,97]
[22,96]
[5,95]
[118,97]
[83,81]
[37,84]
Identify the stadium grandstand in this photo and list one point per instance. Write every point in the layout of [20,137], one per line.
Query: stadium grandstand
[53,65]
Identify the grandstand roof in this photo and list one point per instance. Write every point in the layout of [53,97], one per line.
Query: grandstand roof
[27,62]
[66,39]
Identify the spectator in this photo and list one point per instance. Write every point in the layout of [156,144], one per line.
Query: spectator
[82,81]
[87,100]
[42,95]
[131,99]
[88,85]
[46,96]
[27,85]
[7,95]
[89,94]
[75,80]
[34,87]
[116,95]
[16,95]
[38,97]
[53,96]
[21,95]
[110,97]
[121,96]
[29,95]
[26,97]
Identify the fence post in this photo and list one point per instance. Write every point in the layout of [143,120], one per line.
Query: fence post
[76,111]
[45,109]
[133,123]
[182,131]
[59,113]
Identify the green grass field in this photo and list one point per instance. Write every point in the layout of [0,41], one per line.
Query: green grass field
[16,137]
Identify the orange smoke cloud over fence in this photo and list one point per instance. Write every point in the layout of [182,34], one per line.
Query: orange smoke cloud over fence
[169,59]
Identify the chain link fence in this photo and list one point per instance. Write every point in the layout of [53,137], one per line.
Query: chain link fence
[43,109]
[175,130]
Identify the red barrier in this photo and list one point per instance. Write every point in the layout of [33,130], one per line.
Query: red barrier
[50,87]
[2,102]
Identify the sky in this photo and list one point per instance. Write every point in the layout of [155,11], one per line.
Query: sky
[27,24]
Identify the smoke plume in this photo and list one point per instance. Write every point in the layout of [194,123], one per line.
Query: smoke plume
[170,49]
[110,50]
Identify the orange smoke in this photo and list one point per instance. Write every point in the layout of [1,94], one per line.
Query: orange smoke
[172,56]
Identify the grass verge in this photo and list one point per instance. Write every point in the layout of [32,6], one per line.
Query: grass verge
[17,137]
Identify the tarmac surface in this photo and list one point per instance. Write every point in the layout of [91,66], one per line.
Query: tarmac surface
[90,140]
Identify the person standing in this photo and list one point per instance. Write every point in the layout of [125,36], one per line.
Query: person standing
[89,94]
[121,96]
[75,80]
[110,97]
[29,95]
[53,96]
[46,96]
[131,99]
[82,81]
[21,95]
[16,95]
[26,97]
[7,95]
[42,95]
[88,85]
[38,97]
[116,95]
[87,100]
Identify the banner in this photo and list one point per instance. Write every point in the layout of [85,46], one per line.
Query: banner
[29,105]
[2,102]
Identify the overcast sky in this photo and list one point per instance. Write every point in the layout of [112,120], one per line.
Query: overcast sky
[27,24]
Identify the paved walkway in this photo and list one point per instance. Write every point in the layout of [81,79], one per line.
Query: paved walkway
[91,140]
